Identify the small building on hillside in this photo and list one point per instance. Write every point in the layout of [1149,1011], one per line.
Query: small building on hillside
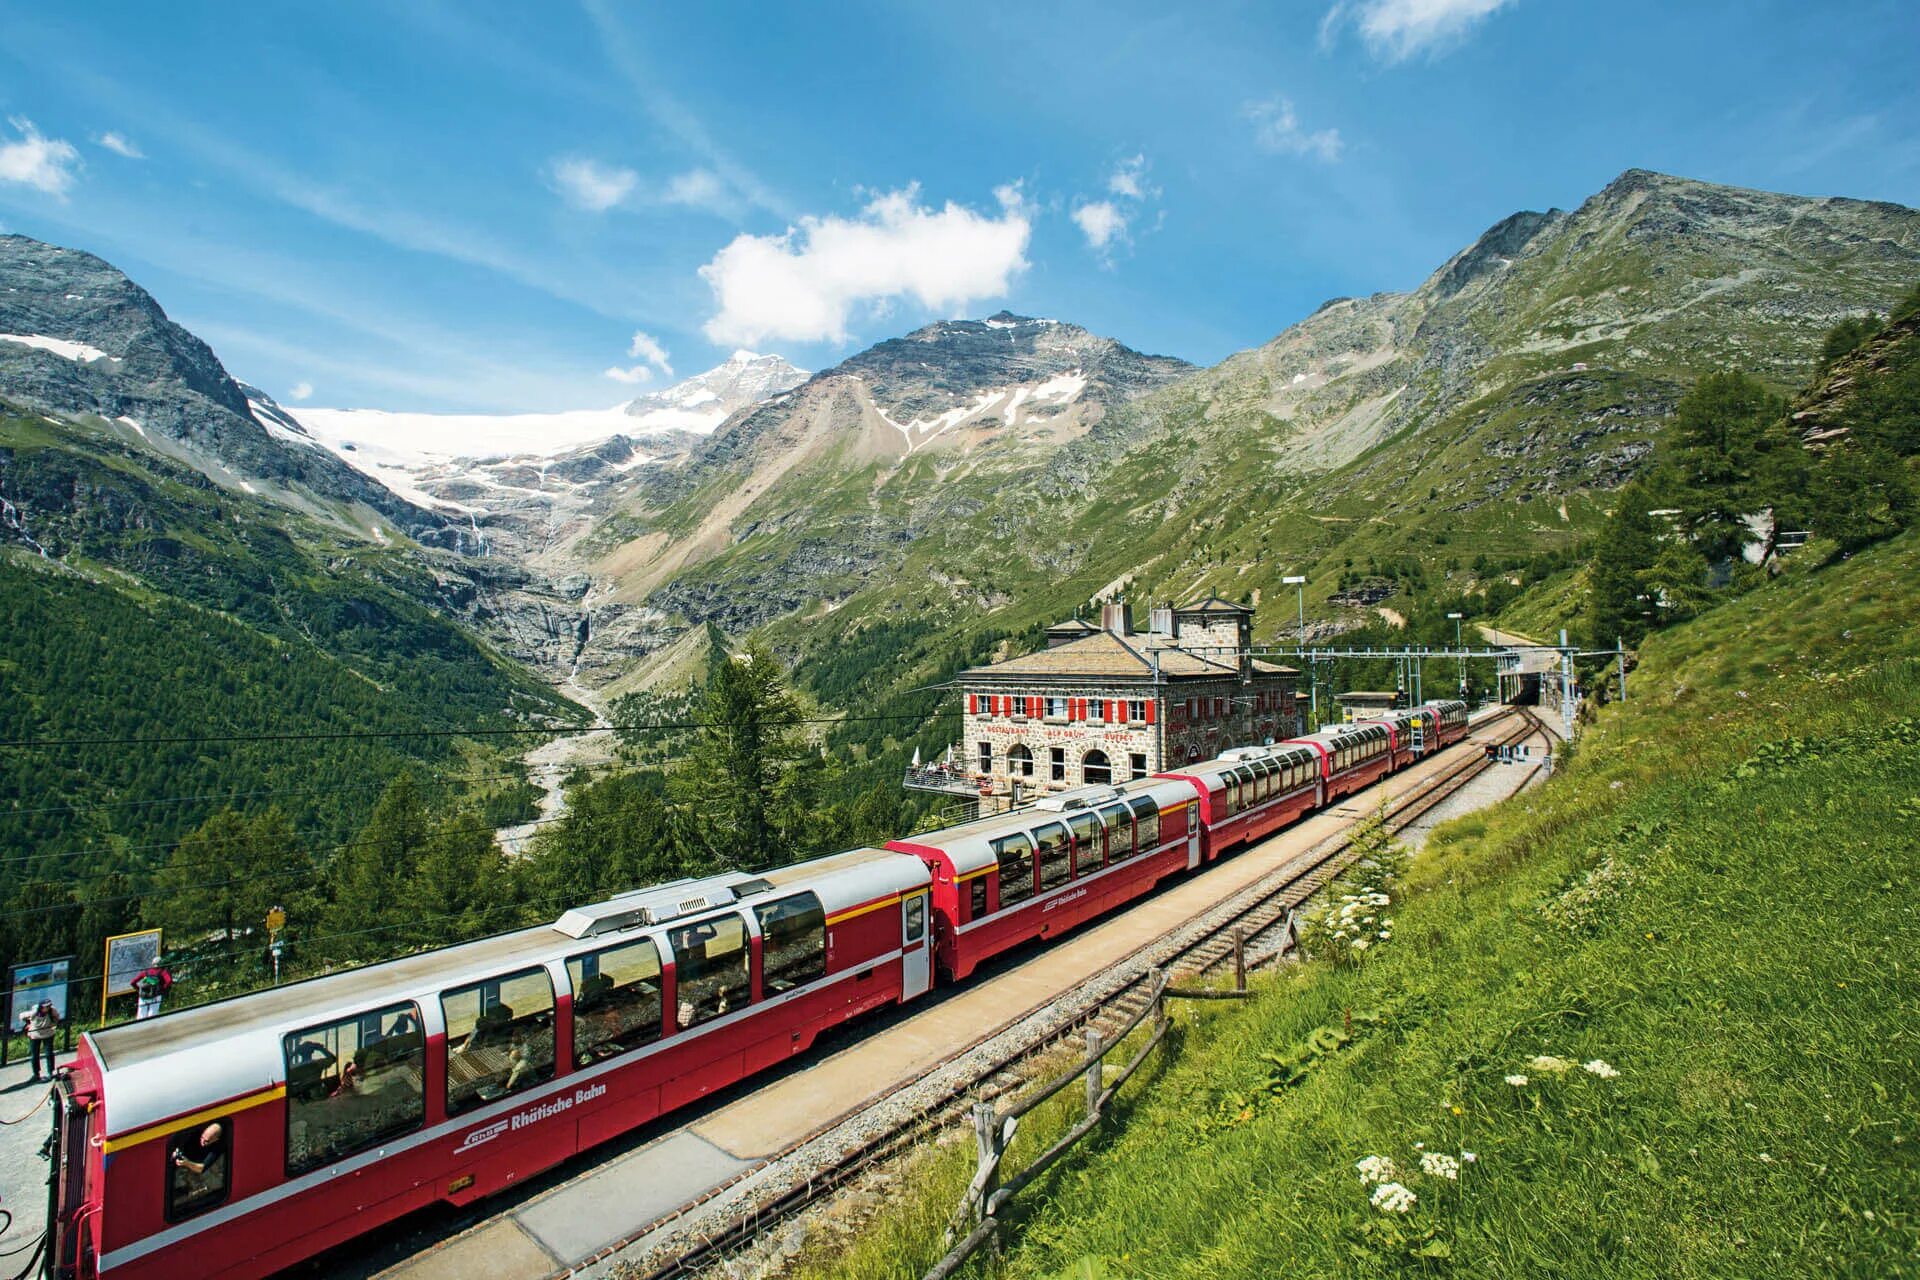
[1368,704]
[1107,704]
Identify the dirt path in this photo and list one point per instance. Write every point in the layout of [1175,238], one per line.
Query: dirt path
[549,764]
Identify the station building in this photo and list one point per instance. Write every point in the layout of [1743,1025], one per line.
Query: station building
[1105,704]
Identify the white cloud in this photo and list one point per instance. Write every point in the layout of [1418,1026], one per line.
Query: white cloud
[652,355]
[646,347]
[301,390]
[1130,179]
[701,189]
[1398,29]
[1276,127]
[588,184]
[119,144]
[803,285]
[46,164]
[1102,223]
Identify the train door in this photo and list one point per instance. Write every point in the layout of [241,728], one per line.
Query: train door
[1193,834]
[69,1252]
[916,960]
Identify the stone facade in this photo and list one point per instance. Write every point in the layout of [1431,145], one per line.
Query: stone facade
[1113,704]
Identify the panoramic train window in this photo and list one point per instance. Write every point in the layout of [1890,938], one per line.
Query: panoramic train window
[198,1171]
[499,1037]
[1146,816]
[1086,842]
[793,943]
[616,1000]
[1249,791]
[1056,855]
[1119,832]
[710,969]
[1015,856]
[352,1084]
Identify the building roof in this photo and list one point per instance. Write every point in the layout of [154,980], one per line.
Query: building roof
[1213,604]
[1274,668]
[1105,655]
[1073,624]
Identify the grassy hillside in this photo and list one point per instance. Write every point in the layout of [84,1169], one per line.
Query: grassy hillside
[1713,899]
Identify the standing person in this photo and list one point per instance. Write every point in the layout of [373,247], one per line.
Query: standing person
[149,986]
[40,1022]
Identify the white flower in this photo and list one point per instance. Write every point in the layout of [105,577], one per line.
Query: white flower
[1468,1157]
[1391,1197]
[1385,934]
[1438,1164]
[1377,1169]
[1517,1081]
[1360,944]
[1602,1069]
[1551,1065]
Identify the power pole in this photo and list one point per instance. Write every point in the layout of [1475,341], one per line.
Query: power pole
[1566,684]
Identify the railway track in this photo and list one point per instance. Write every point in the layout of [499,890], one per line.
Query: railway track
[1259,913]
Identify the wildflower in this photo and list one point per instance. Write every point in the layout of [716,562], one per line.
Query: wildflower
[1391,1197]
[1765,1158]
[1550,1065]
[1360,944]
[1468,1157]
[1377,1169]
[1438,1164]
[1600,1068]
[1385,934]
[1517,1081]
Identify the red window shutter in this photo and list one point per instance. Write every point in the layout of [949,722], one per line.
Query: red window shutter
[1033,707]
[973,704]
[1150,710]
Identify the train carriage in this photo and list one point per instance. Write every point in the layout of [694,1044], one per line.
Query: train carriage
[1452,717]
[1004,880]
[1415,733]
[1352,756]
[1251,792]
[236,1138]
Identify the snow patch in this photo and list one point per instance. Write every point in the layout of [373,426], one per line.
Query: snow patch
[125,421]
[79,352]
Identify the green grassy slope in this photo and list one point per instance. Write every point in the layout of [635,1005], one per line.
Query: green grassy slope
[1715,897]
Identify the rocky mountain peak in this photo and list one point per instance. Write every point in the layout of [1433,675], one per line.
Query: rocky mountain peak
[745,378]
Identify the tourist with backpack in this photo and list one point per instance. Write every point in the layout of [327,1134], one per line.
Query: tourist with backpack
[40,1023]
[149,986]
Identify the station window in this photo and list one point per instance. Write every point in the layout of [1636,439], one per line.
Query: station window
[1056,855]
[1056,708]
[1057,763]
[1015,856]
[1119,832]
[499,1037]
[1086,842]
[1138,763]
[793,943]
[199,1172]
[1019,761]
[1146,817]
[986,757]
[616,1000]
[710,969]
[1137,710]
[353,1084]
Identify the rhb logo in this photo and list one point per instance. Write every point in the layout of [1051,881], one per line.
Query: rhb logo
[485,1133]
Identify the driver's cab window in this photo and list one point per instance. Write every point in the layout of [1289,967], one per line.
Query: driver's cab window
[916,917]
[198,1170]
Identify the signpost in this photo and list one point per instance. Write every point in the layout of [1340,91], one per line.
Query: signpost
[28,984]
[127,955]
[276,921]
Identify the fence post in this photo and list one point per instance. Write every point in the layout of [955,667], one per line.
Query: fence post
[1240,960]
[1096,1074]
[1159,999]
[986,1132]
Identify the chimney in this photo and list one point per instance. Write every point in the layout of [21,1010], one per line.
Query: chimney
[1115,618]
[1160,621]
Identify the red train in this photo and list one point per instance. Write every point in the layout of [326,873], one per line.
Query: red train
[237,1138]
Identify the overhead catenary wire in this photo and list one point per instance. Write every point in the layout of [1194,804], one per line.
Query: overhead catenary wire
[353,735]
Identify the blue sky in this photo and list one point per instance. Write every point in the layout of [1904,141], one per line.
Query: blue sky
[532,207]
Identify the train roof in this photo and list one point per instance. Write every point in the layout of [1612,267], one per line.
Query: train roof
[232,1046]
[1227,761]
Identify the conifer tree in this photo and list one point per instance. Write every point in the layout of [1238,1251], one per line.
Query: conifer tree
[750,736]
[1627,546]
